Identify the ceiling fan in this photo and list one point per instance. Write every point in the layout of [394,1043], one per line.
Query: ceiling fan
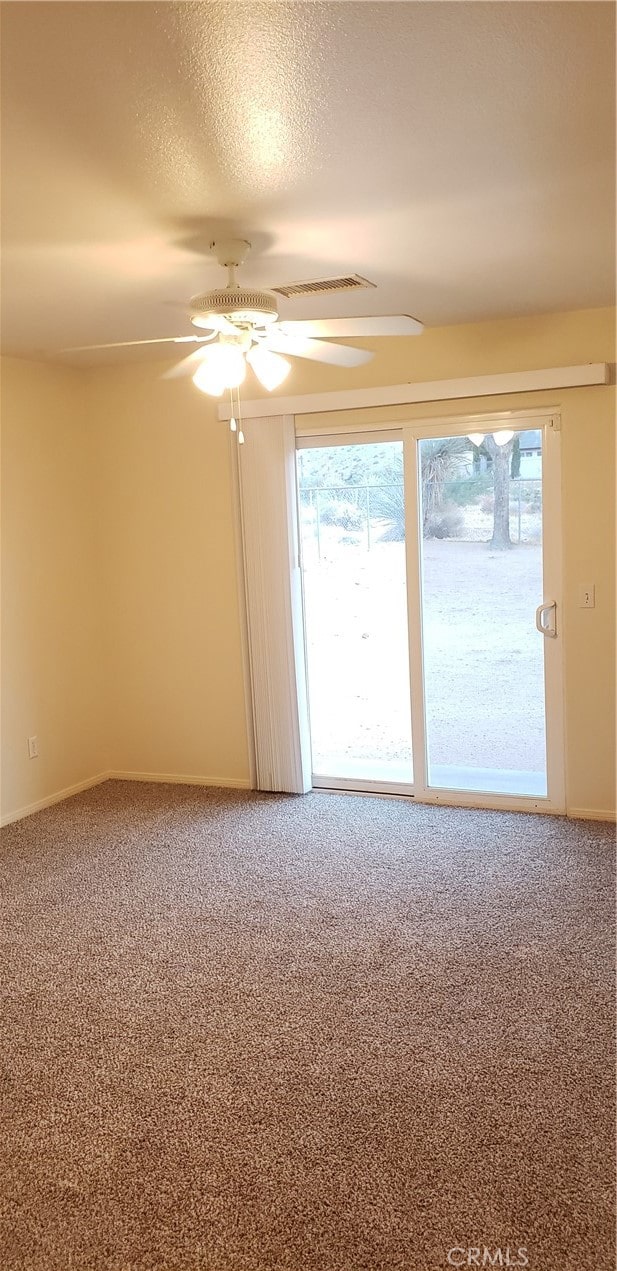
[243,326]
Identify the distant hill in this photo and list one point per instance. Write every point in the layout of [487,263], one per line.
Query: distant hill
[336,466]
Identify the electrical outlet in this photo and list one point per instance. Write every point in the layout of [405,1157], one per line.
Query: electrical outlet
[33,747]
[587,596]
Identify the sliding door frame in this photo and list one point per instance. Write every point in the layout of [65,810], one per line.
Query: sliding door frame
[548,420]
[553,802]
[322,440]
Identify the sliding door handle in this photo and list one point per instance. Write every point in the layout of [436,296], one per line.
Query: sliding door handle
[546,619]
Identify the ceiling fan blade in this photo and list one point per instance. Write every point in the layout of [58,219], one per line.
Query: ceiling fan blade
[187,366]
[128,344]
[389,324]
[298,346]
[212,321]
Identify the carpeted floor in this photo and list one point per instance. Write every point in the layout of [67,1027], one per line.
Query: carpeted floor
[247,1032]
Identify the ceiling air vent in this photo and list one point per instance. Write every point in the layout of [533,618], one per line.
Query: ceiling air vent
[319,286]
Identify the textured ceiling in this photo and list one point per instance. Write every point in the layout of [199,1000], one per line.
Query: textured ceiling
[460,155]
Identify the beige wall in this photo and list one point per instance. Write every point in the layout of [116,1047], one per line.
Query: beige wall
[167,569]
[170,577]
[52,633]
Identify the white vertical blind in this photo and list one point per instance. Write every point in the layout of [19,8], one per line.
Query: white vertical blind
[268,502]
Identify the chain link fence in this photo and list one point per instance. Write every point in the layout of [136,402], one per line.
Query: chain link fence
[366,514]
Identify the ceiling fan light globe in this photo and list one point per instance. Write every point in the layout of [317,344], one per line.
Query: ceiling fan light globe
[222,367]
[476,438]
[270,368]
[207,382]
[502,438]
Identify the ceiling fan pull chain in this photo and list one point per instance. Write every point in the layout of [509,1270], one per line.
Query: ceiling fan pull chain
[232,420]
[240,432]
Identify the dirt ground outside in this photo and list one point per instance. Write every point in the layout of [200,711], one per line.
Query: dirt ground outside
[483,656]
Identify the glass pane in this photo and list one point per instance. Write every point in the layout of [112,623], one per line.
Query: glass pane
[353,561]
[481,519]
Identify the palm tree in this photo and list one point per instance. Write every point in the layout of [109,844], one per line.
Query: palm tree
[440,461]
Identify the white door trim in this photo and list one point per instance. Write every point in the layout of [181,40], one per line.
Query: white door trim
[428,391]
[552,549]
[415,625]
[452,798]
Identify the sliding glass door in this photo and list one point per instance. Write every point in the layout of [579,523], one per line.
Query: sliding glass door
[482,578]
[352,522]
[431,574]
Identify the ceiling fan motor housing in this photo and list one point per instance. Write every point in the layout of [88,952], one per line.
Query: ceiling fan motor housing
[238,304]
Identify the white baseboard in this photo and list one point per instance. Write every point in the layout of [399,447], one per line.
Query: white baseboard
[234,783]
[591,814]
[49,799]
[182,779]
